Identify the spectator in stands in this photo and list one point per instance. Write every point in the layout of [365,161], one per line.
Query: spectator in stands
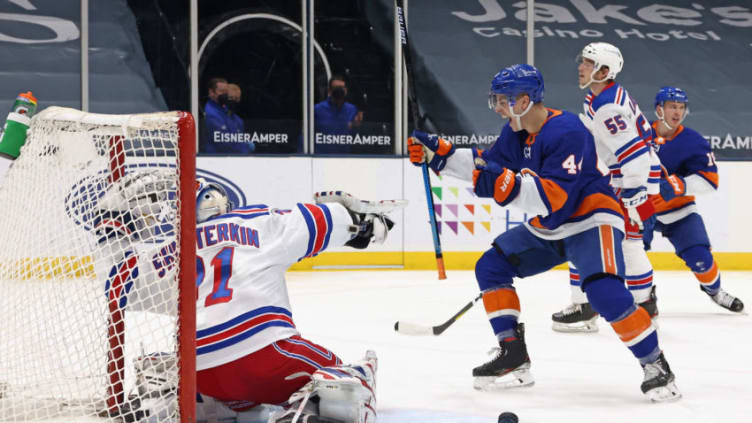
[335,116]
[224,129]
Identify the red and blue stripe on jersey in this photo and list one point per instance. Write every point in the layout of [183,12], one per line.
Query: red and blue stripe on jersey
[318,219]
[561,158]
[616,94]
[241,327]
[120,280]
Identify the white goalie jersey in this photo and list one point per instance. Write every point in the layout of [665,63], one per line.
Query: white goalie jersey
[622,136]
[242,256]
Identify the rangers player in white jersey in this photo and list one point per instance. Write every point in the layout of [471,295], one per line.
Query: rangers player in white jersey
[248,349]
[621,135]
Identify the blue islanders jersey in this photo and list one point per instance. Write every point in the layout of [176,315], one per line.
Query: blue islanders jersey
[687,154]
[560,182]
[241,258]
[622,135]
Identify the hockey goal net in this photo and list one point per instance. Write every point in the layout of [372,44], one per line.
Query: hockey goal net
[97,270]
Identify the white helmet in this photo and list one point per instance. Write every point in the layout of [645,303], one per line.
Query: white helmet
[602,54]
[211,200]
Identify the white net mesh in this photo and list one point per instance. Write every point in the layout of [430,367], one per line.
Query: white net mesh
[89,231]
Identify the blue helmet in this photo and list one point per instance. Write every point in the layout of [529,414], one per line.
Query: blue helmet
[670,94]
[516,80]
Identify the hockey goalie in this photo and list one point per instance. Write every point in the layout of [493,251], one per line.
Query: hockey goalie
[248,349]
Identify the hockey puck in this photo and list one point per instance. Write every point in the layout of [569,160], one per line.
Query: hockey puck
[508,417]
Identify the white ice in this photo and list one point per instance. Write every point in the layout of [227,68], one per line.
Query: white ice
[580,378]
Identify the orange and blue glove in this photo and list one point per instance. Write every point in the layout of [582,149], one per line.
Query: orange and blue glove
[424,148]
[673,186]
[493,181]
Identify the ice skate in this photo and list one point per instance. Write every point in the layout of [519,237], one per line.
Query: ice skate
[651,304]
[658,383]
[726,300]
[576,318]
[509,368]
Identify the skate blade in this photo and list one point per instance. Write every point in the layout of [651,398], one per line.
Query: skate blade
[521,377]
[588,326]
[666,393]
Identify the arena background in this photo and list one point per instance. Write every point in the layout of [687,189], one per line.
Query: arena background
[140,55]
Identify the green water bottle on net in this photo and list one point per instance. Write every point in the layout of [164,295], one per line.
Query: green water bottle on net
[16,125]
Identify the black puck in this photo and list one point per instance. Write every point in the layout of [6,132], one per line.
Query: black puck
[508,417]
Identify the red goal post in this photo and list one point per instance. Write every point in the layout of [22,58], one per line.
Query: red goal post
[97,269]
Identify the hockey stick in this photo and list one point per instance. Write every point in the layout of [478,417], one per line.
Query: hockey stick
[406,328]
[413,101]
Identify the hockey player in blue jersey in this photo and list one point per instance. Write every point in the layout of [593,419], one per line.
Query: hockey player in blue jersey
[690,170]
[544,163]
[621,134]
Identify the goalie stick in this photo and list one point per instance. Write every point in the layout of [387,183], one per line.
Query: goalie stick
[413,100]
[413,329]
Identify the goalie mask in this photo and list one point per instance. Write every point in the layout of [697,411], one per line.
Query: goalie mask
[211,200]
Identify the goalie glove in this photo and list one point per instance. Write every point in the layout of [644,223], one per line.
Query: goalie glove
[367,229]
[370,224]
[356,205]
[109,225]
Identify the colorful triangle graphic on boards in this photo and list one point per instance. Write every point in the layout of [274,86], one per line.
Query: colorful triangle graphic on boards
[470,226]
[470,208]
[452,208]
[452,226]
[437,191]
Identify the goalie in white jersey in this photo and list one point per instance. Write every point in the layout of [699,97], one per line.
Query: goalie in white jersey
[248,349]
[621,135]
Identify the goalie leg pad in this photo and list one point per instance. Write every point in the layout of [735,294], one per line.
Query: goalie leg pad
[347,393]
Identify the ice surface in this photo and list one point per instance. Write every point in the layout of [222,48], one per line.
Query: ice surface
[580,378]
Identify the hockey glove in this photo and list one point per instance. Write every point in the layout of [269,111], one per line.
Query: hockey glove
[114,225]
[639,208]
[673,186]
[368,228]
[493,181]
[424,148]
